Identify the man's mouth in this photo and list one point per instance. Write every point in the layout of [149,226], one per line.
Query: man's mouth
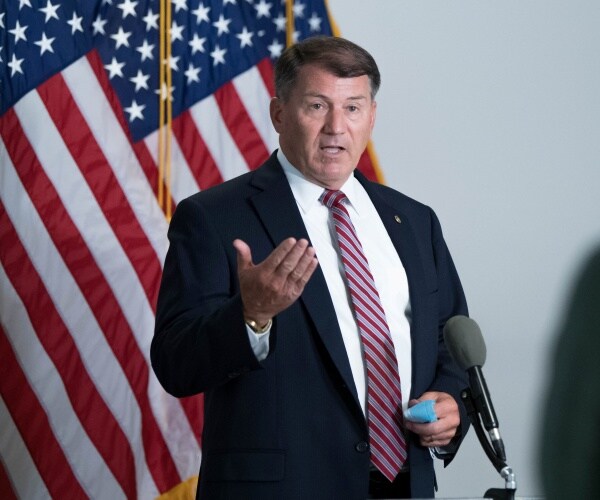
[332,149]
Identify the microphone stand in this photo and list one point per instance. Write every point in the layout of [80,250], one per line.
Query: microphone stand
[510,483]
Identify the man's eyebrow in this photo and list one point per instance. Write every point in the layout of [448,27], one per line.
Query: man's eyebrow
[326,98]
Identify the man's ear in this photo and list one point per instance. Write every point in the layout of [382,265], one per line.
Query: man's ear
[373,114]
[275,110]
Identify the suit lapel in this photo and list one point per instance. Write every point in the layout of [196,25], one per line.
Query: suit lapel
[277,209]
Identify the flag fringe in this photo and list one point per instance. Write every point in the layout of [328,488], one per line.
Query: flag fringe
[183,491]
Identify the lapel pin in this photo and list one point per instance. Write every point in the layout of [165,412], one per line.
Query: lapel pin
[397,218]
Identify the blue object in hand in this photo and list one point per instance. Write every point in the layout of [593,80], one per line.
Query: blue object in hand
[423,412]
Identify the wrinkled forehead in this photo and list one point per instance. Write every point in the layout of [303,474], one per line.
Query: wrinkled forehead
[314,80]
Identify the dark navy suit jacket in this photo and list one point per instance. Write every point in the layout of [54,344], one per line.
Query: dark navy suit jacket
[290,427]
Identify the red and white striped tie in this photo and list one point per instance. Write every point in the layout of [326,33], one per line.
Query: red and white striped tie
[384,397]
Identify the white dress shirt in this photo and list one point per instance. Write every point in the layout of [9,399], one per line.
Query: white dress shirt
[385,265]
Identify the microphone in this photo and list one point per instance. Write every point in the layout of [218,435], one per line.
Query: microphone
[467,347]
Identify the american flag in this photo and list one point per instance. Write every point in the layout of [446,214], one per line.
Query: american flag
[82,236]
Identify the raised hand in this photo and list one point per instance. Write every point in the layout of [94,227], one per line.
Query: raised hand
[273,285]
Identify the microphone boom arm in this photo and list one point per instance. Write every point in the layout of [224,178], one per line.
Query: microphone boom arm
[498,462]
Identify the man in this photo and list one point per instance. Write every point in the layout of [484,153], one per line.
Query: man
[298,402]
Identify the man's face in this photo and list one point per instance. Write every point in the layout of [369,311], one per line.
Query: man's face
[325,124]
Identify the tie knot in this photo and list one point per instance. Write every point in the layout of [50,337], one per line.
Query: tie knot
[331,198]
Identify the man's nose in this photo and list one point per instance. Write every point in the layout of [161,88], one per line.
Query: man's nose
[334,122]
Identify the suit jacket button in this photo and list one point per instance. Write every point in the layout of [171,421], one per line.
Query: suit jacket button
[362,447]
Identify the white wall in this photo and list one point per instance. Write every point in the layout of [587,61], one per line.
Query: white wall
[489,112]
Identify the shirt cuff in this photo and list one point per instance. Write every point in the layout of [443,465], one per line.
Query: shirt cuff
[259,342]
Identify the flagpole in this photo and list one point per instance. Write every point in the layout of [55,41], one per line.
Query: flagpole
[169,109]
[161,109]
[289,22]
[165,110]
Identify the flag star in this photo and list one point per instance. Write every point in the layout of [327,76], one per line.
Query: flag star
[176,32]
[151,20]
[98,25]
[45,44]
[192,74]
[15,65]
[114,68]
[172,62]
[128,8]
[245,38]
[263,9]
[197,44]
[280,22]
[275,49]
[50,11]
[121,38]
[140,80]
[222,25]
[315,22]
[295,36]
[179,4]
[19,32]
[201,13]
[146,50]
[22,3]
[75,23]
[2,19]
[165,93]
[299,9]
[225,2]
[135,111]
[218,55]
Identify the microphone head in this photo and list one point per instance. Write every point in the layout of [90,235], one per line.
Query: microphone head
[465,342]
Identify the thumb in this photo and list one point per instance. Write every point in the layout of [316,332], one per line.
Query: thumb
[244,254]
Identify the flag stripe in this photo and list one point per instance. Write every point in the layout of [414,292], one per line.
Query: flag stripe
[106,124]
[198,158]
[97,291]
[22,404]
[102,181]
[256,97]
[19,477]
[53,336]
[240,125]
[265,68]
[145,160]
[182,182]
[6,490]
[218,140]
[97,355]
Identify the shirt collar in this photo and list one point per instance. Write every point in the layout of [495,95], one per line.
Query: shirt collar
[307,193]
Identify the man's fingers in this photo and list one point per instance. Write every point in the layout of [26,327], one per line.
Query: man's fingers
[305,267]
[440,432]
[271,286]
[272,263]
[290,261]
